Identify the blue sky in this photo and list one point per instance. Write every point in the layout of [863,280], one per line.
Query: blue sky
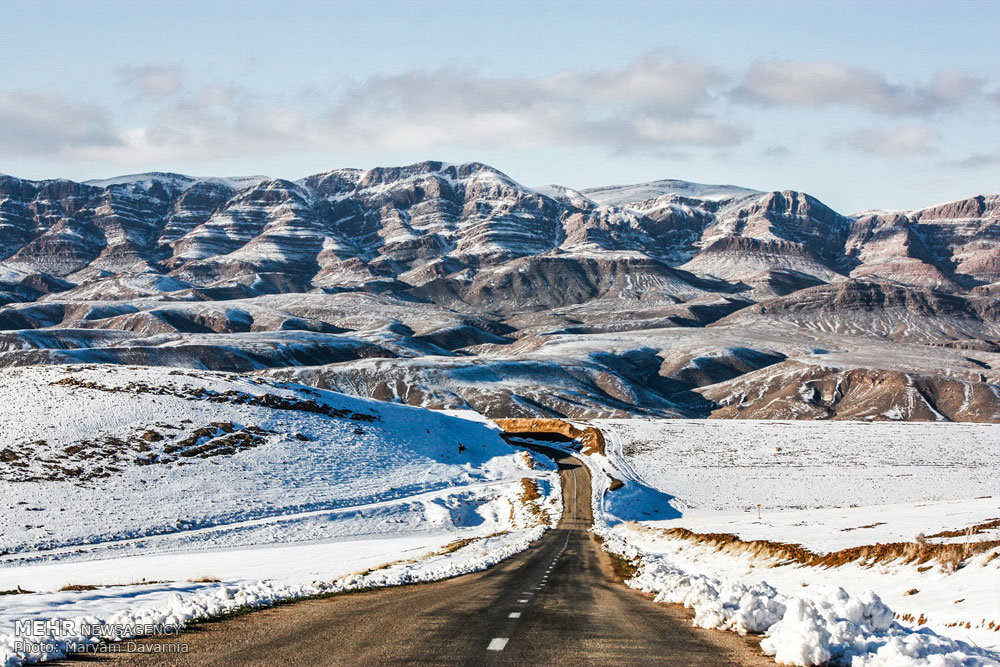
[871,104]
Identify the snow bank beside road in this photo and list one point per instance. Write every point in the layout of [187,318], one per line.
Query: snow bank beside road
[176,606]
[826,626]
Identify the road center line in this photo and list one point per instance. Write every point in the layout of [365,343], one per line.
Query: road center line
[497,644]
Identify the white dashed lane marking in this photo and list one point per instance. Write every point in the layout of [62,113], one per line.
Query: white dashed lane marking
[497,644]
[514,614]
[524,601]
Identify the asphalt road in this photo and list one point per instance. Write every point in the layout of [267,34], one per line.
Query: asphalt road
[556,603]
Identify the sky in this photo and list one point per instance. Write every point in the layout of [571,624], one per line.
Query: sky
[861,104]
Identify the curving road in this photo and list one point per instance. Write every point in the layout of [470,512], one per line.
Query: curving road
[556,603]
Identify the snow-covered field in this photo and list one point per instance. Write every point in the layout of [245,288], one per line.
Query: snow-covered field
[179,493]
[827,486]
[718,471]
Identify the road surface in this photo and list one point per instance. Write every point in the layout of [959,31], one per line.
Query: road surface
[556,603]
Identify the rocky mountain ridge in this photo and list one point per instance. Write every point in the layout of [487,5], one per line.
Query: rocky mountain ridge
[436,228]
[453,285]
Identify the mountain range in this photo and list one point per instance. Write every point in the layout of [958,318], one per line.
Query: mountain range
[454,286]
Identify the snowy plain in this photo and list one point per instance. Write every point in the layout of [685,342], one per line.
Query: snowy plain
[826,486]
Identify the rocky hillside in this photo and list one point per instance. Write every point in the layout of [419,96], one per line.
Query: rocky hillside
[455,285]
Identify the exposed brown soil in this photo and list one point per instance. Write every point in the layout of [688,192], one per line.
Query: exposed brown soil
[971,530]
[590,438]
[948,555]
[622,568]
[870,525]
[530,490]
[529,498]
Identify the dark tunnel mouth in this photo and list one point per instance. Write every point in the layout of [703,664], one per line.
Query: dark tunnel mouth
[547,436]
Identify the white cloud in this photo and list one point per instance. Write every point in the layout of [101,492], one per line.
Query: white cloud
[823,84]
[152,80]
[46,123]
[952,88]
[776,151]
[650,84]
[906,140]
[650,105]
[976,161]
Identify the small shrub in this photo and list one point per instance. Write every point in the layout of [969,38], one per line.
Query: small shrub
[78,587]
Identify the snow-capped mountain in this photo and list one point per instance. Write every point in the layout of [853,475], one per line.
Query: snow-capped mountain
[434,228]
[439,284]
